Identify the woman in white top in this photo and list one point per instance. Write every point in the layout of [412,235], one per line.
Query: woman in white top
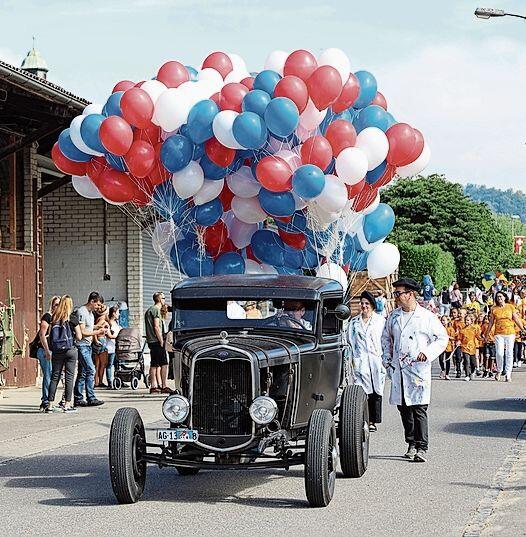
[364,335]
[115,328]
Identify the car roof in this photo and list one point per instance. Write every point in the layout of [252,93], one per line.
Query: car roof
[256,286]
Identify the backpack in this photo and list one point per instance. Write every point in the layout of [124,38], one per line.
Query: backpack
[445,297]
[60,337]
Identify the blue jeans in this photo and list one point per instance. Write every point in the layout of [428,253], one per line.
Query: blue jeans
[85,375]
[45,365]
[109,368]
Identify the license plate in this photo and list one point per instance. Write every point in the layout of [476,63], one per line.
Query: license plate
[177,435]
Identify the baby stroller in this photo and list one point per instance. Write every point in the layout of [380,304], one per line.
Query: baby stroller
[129,359]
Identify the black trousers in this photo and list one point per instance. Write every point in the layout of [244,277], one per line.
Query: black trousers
[458,360]
[414,420]
[470,363]
[517,351]
[444,362]
[60,360]
[374,402]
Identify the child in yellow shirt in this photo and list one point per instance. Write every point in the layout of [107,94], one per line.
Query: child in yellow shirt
[445,358]
[467,338]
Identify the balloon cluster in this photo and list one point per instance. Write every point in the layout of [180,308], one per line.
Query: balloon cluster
[269,172]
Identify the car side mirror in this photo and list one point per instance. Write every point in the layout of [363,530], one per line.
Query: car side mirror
[342,312]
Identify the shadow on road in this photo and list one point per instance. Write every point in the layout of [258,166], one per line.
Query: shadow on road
[507,428]
[501,405]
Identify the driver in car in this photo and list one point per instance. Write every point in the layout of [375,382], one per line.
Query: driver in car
[296,312]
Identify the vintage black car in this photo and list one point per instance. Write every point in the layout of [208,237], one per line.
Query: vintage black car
[260,384]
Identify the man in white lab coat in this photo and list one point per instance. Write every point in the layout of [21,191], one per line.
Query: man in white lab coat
[413,337]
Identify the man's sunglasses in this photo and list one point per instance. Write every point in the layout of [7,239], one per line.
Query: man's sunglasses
[397,294]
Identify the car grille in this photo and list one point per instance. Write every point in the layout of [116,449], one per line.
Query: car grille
[222,393]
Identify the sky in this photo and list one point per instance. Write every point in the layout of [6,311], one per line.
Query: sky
[458,79]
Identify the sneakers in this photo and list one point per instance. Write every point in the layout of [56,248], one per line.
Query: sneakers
[472,376]
[467,378]
[490,374]
[81,402]
[442,375]
[508,378]
[155,390]
[485,374]
[447,377]
[95,402]
[515,364]
[411,452]
[70,410]
[372,428]
[421,456]
[42,407]
[497,376]
[478,372]
[458,375]
[167,390]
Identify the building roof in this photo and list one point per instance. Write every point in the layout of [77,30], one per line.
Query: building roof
[34,60]
[517,271]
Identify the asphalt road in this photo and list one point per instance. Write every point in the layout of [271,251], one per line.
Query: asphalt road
[66,490]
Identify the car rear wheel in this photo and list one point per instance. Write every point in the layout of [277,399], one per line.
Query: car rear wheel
[354,431]
[321,458]
[127,445]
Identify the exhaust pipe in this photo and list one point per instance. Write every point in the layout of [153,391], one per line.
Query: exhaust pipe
[274,426]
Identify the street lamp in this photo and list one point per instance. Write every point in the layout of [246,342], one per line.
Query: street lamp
[488,13]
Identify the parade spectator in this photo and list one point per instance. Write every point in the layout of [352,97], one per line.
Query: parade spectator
[428,290]
[488,348]
[252,311]
[381,304]
[457,323]
[445,358]
[504,317]
[234,310]
[64,329]
[364,335]
[467,339]
[44,353]
[472,304]
[456,296]
[445,302]
[413,337]
[86,372]
[113,332]
[98,346]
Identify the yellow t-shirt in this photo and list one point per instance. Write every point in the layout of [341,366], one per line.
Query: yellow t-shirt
[468,339]
[475,306]
[504,323]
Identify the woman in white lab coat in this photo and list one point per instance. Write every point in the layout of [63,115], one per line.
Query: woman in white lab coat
[364,336]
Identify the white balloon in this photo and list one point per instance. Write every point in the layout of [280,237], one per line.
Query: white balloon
[414,168]
[302,133]
[311,117]
[300,202]
[248,210]
[290,157]
[172,108]
[85,187]
[93,108]
[322,218]
[209,191]
[276,61]
[336,58]
[333,197]
[268,269]
[228,217]
[241,233]
[117,203]
[212,76]
[373,142]
[243,184]
[74,132]
[333,272]
[253,267]
[351,165]
[238,63]
[222,128]
[188,181]
[373,205]
[164,236]
[383,260]
[154,88]
[236,76]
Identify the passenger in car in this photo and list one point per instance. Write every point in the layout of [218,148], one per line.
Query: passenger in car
[296,310]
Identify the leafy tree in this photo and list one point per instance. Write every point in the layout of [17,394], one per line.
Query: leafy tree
[431,210]
[508,202]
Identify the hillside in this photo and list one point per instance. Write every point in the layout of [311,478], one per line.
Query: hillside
[508,202]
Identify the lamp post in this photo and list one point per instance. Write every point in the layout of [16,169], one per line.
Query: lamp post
[489,13]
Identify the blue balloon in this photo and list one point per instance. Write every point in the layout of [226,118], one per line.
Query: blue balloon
[378,224]
[298,223]
[291,140]
[209,213]
[331,167]
[195,265]
[179,248]
[289,271]
[166,201]
[70,150]
[116,162]
[89,132]
[176,152]
[358,261]
[373,176]
[372,116]
[229,263]
[281,116]
[192,73]
[268,247]
[292,258]
[311,258]
[256,101]
[368,89]
[267,81]
[249,130]
[211,170]
[308,181]
[200,119]
[199,151]
[113,104]
[277,203]
[390,120]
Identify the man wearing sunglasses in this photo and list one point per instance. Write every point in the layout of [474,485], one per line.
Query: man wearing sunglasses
[413,337]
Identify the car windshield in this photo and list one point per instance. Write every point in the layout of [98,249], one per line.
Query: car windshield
[247,313]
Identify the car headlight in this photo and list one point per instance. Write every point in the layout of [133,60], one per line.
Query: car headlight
[263,410]
[176,408]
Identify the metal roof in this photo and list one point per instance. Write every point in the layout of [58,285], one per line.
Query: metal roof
[34,60]
[517,271]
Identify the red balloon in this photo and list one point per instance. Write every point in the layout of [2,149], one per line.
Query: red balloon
[144,191]
[250,254]
[123,85]
[354,190]
[65,165]
[295,240]
[117,186]
[116,135]
[137,108]
[365,198]
[228,246]
[215,237]
[419,147]
[248,82]
[95,167]
[151,134]
[325,86]
[379,99]
[216,97]
[387,176]
[316,150]
[402,142]
[349,94]
[226,197]
[231,96]
[218,153]
[274,174]
[300,63]
[341,134]
[159,173]
[139,84]
[220,62]
[140,158]
[173,74]
[295,89]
